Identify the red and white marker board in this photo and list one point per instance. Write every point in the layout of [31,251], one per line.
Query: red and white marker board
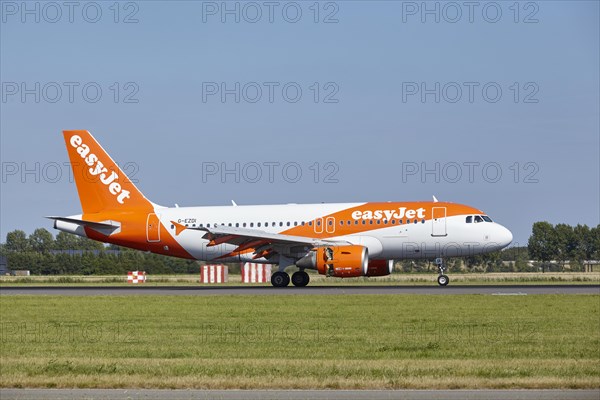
[255,273]
[136,276]
[214,273]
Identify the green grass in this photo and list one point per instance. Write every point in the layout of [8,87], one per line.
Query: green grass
[337,341]
[507,278]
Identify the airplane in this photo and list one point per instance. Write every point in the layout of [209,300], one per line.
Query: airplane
[337,240]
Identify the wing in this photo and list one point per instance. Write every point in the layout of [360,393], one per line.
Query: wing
[262,244]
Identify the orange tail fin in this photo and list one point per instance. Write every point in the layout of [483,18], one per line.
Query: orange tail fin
[101,184]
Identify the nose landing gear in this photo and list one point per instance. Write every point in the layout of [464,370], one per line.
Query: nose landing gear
[442,279]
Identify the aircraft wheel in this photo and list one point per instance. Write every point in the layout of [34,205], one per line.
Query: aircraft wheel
[300,278]
[280,279]
[443,280]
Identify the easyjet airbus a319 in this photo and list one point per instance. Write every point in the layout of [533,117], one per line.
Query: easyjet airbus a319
[340,240]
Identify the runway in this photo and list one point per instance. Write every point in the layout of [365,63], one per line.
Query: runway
[150,394]
[496,290]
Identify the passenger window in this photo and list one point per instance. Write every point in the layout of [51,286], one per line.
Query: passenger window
[288,224]
[237,224]
[469,219]
[244,224]
[393,222]
[258,225]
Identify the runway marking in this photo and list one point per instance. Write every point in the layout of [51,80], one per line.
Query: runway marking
[509,294]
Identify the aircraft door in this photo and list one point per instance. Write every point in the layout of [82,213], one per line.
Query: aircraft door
[153,228]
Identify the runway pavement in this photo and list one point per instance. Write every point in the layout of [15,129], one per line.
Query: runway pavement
[498,290]
[152,394]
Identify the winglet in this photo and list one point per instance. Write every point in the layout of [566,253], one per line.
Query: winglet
[233,203]
[178,228]
[435,200]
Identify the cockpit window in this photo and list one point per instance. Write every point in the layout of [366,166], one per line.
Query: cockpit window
[469,219]
[478,218]
[486,218]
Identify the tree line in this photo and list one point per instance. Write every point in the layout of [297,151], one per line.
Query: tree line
[551,248]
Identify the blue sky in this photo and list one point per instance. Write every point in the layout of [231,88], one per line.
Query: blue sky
[514,92]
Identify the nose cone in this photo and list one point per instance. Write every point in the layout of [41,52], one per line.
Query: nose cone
[504,237]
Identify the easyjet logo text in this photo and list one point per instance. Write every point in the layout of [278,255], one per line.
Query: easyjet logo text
[98,169]
[400,213]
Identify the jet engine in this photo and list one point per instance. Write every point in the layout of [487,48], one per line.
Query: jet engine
[339,261]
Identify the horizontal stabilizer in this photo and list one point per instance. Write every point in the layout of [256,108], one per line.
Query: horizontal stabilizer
[104,227]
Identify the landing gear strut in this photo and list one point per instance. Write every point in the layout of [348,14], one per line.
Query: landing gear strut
[280,279]
[300,278]
[442,279]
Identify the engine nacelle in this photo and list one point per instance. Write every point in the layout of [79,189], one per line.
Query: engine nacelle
[380,267]
[340,261]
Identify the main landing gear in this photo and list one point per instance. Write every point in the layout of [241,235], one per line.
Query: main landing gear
[282,279]
[442,279]
[300,278]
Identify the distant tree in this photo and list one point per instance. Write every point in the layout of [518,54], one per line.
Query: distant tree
[41,240]
[594,240]
[542,243]
[564,243]
[84,243]
[66,241]
[16,241]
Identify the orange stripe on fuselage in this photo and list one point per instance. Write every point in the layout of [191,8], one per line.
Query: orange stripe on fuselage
[452,209]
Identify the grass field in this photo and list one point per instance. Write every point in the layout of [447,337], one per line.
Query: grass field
[508,278]
[360,341]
